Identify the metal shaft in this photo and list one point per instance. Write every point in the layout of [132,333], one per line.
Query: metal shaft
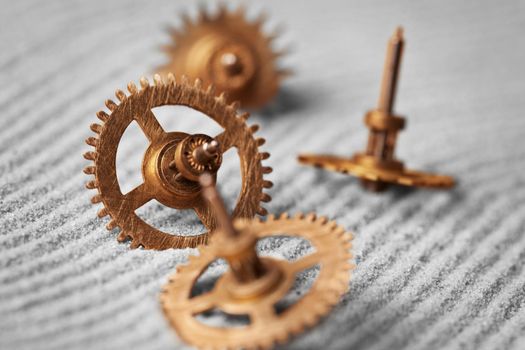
[391,72]
[244,263]
[210,193]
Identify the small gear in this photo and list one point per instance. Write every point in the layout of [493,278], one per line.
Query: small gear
[253,285]
[227,50]
[377,166]
[173,160]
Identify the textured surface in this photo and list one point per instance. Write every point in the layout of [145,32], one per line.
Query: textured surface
[434,269]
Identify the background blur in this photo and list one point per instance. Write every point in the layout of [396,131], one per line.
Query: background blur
[434,269]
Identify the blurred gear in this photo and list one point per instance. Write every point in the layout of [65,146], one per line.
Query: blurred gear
[378,167]
[228,51]
[254,285]
[173,161]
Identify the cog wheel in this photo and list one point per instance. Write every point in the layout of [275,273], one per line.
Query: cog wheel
[167,176]
[375,173]
[377,166]
[229,52]
[267,327]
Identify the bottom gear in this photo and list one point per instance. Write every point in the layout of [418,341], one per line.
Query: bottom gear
[267,326]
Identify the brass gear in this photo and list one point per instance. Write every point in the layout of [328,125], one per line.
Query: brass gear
[370,171]
[161,181]
[267,327]
[229,52]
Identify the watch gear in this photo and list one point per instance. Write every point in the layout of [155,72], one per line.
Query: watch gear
[228,51]
[253,285]
[173,160]
[377,166]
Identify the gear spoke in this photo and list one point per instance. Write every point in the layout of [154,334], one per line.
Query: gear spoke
[150,125]
[225,140]
[263,316]
[205,214]
[137,197]
[306,262]
[201,303]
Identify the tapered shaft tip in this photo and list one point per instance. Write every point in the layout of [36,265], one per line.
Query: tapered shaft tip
[398,34]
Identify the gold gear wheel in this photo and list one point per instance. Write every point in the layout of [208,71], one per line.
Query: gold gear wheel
[161,180]
[228,51]
[267,327]
[369,171]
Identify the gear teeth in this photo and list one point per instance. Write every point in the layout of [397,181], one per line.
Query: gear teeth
[96,128]
[211,89]
[198,83]
[90,170]
[90,155]
[284,216]
[276,33]
[222,10]
[203,13]
[111,225]
[266,198]
[279,54]
[254,128]
[240,11]
[111,105]
[122,236]
[91,185]
[132,88]
[270,217]
[120,95]
[102,213]
[170,79]
[92,141]
[261,19]
[262,211]
[322,220]
[311,217]
[144,83]
[260,141]
[184,80]
[244,116]
[186,19]
[235,105]
[135,244]
[267,184]
[332,225]
[221,98]
[264,155]
[284,73]
[96,199]
[299,216]
[267,169]
[157,80]
[103,116]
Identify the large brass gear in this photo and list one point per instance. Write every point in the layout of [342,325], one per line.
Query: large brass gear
[227,50]
[168,168]
[267,327]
